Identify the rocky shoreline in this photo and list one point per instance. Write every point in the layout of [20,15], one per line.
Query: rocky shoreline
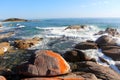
[75,64]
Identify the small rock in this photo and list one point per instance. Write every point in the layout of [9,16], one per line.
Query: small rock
[77,27]
[37,38]
[4,46]
[6,35]
[86,45]
[45,63]
[105,40]
[112,31]
[100,33]
[27,43]
[114,53]
[109,31]
[76,56]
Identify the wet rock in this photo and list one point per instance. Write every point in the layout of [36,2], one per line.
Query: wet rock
[87,76]
[105,40]
[86,45]
[101,72]
[112,31]
[6,35]
[27,43]
[76,56]
[114,53]
[109,31]
[111,51]
[103,60]
[77,27]
[99,33]
[4,46]
[44,63]
[109,47]
[2,78]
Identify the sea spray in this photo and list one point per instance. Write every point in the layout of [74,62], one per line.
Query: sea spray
[97,54]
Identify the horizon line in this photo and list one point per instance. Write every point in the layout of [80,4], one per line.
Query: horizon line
[66,18]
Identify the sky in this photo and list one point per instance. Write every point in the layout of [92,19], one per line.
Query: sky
[37,9]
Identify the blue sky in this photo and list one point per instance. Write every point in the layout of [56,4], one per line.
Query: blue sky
[59,8]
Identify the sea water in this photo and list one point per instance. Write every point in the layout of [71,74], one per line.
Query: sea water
[56,38]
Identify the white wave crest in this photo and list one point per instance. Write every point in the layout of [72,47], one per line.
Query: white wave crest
[96,54]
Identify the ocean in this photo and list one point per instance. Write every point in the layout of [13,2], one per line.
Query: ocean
[54,28]
[56,38]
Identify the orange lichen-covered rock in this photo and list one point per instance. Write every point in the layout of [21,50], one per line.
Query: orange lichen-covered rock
[45,63]
[4,46]
[2,78]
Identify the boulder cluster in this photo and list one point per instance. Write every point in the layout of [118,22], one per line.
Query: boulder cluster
[109,31]
[72,65]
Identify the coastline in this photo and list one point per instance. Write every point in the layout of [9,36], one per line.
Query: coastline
[46,38]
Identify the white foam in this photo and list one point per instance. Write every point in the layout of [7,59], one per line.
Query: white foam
[96,54]
[51,28]
[5,49]
[117,39]
[87,33]
[73,35]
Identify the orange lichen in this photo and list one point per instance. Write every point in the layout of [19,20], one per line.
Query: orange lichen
[64,67]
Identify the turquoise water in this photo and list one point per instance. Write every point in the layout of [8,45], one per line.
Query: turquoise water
[65,22]
[54,28]
[30,27]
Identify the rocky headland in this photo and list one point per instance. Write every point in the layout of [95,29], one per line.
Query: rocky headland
[15,20]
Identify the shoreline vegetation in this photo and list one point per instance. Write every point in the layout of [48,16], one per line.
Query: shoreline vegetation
[74,64]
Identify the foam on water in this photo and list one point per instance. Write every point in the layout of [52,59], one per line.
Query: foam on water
[5,49]
[63,37]
[86,33]
[96,54]
[117,39]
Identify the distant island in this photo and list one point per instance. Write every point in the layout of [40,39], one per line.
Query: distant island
[15,20]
